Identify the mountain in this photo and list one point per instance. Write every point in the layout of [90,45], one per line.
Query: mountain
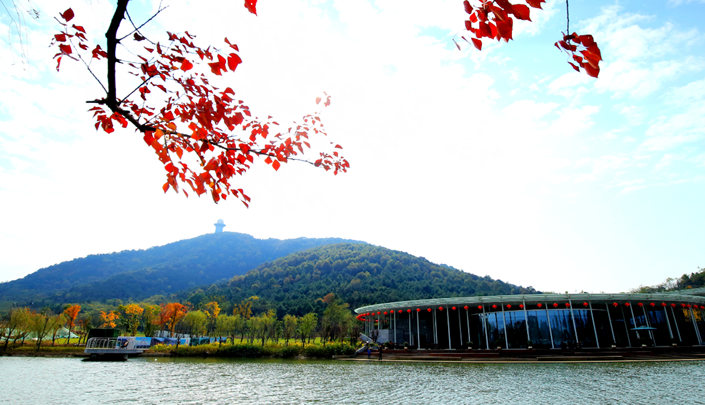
[137,274]
[359,274]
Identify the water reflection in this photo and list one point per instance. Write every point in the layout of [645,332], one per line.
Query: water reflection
[197,381]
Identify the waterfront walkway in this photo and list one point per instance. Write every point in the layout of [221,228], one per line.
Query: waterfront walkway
[540,355]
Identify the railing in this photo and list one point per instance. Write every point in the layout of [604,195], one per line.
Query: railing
[111,343]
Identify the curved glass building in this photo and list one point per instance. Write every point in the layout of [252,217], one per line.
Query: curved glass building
[547,321]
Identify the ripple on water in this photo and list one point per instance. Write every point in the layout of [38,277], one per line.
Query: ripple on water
[225,381]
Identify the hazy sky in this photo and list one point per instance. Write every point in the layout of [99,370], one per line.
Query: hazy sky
[504,162]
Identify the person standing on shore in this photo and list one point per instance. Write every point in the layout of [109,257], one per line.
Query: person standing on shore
[369,352]
[380,352]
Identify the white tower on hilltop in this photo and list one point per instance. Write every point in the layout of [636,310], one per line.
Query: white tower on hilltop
[219,226]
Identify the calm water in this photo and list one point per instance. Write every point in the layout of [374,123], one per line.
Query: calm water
[197,381]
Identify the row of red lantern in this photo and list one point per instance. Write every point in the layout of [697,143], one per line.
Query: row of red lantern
[521,306]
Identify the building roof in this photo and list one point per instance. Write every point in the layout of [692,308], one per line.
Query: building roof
[535,298]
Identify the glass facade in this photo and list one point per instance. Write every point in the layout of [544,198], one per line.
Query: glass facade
[548,325]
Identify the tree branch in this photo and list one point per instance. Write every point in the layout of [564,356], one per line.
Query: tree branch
[111,100]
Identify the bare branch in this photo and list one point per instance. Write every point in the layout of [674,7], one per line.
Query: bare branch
[137,29]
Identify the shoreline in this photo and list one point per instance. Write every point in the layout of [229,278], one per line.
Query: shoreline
[538,360]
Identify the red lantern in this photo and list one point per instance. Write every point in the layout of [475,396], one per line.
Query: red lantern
[614,304]
[418,309]
[479,307]
[539,305]
[585,304]
[640,304]
[673,305]
[627,304]
[509,306]
[440,308]
[682,305]
[494,306]
[454,308]
[555,305]
[408,310]
[652,305]
[567,305]
[378,313]
[429,310]
[688,305]
[385,312]
[702,307]
[663,304]
[400,311]
[465,307]
[521,306]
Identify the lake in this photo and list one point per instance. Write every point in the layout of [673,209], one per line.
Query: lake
[25,380]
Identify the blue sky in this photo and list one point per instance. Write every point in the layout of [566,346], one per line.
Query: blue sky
[503,162]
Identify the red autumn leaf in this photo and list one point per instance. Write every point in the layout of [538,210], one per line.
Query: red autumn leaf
[468,25]
[477,43]
[137,37]
[67,15]
[318,100]
[456,44]
[586,40]
[493,30]
[499,13]
[591,71]
[593,53]
[504,29]
[574,66]
[233,61]
[521,12]
[60,37]
[535,3]
[473,17]
[223,63]
[58,63]
[467,6]
[251,6]
[97,53]
[215,68]
[276,165]
[79,28]
[186,65]
[484,30]
[65,49]
[234,46]
[83,46]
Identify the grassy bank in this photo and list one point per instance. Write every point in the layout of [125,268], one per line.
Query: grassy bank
[244,350]
[43,351]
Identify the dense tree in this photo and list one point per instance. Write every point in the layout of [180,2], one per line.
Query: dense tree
[196,322]
[150,319]
[170,315]
[56,325]
[290,324]
[358,274]
[108,319]
[212,310]
[225,325]
[131,316]
[307,324]
[17,324]
[70,314]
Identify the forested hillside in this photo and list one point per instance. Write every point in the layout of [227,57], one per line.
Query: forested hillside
[359,274]
[137,274]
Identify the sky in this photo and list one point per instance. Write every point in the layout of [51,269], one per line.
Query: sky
[504,162]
